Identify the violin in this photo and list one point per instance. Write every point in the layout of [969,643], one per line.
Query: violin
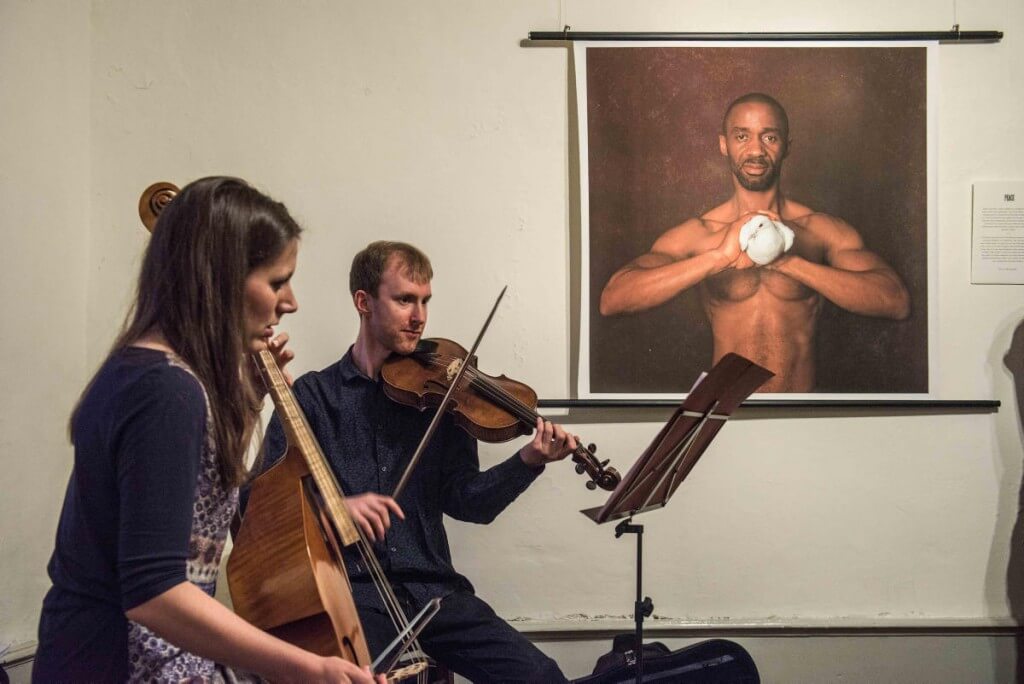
[491,409]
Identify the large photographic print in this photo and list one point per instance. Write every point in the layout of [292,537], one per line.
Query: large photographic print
[771,201]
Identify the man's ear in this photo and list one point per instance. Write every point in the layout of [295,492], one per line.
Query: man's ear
[362,301]
[722,147]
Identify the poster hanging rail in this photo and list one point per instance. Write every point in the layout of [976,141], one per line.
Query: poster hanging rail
[954,35]
[940,405]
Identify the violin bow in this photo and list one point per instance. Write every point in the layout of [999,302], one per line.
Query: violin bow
[444,402]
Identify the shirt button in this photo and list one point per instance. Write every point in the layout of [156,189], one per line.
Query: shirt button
[383,469]
[394,550]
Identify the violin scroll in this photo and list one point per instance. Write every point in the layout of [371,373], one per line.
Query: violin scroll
[600,474]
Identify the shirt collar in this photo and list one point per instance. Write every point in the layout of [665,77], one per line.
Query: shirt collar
[349,370]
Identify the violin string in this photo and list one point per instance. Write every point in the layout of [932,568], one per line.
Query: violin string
[499,395]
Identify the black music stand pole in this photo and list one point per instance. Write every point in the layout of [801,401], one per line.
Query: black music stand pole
[641,608]
[671,456]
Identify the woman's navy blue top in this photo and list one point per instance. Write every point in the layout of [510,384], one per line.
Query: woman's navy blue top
[125,527]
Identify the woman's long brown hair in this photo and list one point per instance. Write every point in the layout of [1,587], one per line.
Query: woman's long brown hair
[191,289]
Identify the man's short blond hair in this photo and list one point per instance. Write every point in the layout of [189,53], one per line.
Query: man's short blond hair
[368,266]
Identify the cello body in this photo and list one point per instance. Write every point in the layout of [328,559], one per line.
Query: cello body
[285,571]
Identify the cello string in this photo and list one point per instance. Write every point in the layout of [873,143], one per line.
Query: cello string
[289,409]
[387,595]
[385,591]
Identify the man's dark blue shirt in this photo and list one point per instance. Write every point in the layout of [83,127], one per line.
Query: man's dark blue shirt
[368,440]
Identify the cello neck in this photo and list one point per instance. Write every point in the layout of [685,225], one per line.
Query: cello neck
[300,437]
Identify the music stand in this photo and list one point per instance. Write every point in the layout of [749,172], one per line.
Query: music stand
[671,456]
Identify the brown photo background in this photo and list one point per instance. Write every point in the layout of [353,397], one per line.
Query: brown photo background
[859,152]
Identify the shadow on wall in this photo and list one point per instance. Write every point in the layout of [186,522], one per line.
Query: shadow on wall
[1014,362]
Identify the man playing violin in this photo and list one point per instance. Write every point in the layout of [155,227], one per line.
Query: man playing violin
[369,440]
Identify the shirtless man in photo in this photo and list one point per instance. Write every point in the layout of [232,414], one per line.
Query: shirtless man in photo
[766,313]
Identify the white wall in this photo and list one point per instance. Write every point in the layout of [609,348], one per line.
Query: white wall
[430,122]
[45,193]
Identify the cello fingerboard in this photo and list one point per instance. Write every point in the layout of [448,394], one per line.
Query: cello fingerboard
[301,437]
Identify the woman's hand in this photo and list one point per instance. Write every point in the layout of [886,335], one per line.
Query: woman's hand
[335,670]
[281,355]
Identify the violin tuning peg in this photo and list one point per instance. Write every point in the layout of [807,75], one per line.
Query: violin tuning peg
[605,462]
[580,468]
[592,448]
[591,485]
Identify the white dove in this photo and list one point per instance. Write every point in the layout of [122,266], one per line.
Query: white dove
[764,240]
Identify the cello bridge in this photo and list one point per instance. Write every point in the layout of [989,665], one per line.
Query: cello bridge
[401,673]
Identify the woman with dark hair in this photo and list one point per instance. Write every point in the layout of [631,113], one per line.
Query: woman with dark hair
[160,435]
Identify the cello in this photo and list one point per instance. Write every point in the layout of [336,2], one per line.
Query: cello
[286,573]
